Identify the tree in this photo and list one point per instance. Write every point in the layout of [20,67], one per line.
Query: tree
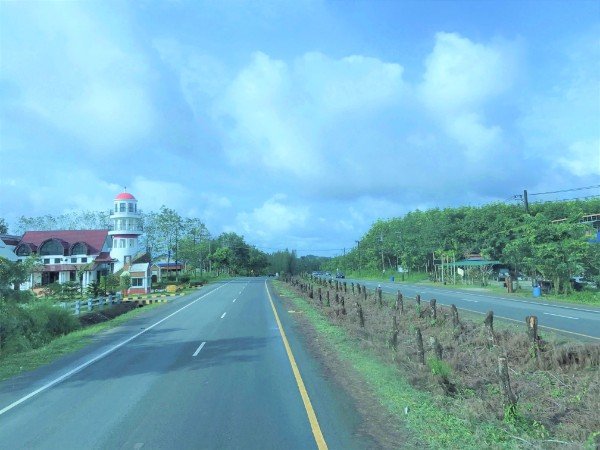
[124,282]
[3,226]
[12,275]
[556,250]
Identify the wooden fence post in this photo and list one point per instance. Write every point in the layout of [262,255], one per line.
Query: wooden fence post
[394,336]
[361,316]
[532,327]
[436,347]
[379,296]
[327,303]
[320,296]
[489,325]
[432,304]
[420,350]
[342,301]
[454,311]
[352,284]
[364,289]
[510,400]
[399,303]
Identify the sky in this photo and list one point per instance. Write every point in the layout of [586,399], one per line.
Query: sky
[296,124]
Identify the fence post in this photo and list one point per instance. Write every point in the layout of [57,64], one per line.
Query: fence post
[436,347]
[489,325]
[454,311]
[379,296]
[78,307]
[394,338]
[343,305]
[89,304]
[510,400]
[432,304]
[400,303]
[327,303]
[361,317]
[420,350]
[532,326]
[352,284]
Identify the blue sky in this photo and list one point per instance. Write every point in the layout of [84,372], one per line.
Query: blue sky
[296,124]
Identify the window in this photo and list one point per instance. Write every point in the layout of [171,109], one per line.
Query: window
[52,247]
[137,282]
[57,260]
[79,249]
[72,275]
[46,260]
[122,207]
[131,242]
[23,250]
[73,260]
[116,207]
[130,207]
[83,260]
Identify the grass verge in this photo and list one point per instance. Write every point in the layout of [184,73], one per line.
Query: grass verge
[14,364]
[435,419]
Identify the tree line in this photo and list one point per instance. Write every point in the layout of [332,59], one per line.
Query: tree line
[548,241]
[170,237]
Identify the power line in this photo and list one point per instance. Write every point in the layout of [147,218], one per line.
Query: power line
[568,190]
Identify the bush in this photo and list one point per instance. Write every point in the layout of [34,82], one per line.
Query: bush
[184,278]
[26,328]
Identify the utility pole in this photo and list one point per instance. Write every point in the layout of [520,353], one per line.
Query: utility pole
[381,246]
[526,201]
[358,246]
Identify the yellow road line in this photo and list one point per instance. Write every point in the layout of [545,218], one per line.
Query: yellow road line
[310,412]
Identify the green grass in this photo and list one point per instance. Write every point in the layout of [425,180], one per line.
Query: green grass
[430,416]
[587,297]
[13,364]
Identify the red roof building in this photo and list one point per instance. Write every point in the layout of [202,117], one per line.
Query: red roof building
[65,253]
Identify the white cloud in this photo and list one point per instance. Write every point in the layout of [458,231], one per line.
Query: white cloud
[461,75]
[152,194]
[276,113]
[582,158]
[273,219]
[77,73]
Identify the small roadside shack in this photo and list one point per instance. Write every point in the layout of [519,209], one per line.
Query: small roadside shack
[467,271]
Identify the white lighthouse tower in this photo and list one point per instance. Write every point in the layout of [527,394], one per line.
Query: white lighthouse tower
[126,229]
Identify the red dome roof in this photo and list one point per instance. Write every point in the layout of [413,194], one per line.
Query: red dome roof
[124,196]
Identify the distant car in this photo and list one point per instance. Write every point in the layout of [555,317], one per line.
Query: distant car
[340,275]
[502,274]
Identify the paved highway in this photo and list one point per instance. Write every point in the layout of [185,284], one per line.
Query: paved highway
[210,370]
[578,321]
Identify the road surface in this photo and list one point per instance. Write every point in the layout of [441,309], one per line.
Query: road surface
[209,370]
[577,321]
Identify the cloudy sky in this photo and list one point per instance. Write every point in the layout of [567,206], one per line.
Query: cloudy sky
[296,124]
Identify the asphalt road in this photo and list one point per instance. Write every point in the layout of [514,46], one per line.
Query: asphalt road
[577,321]
[209,370]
